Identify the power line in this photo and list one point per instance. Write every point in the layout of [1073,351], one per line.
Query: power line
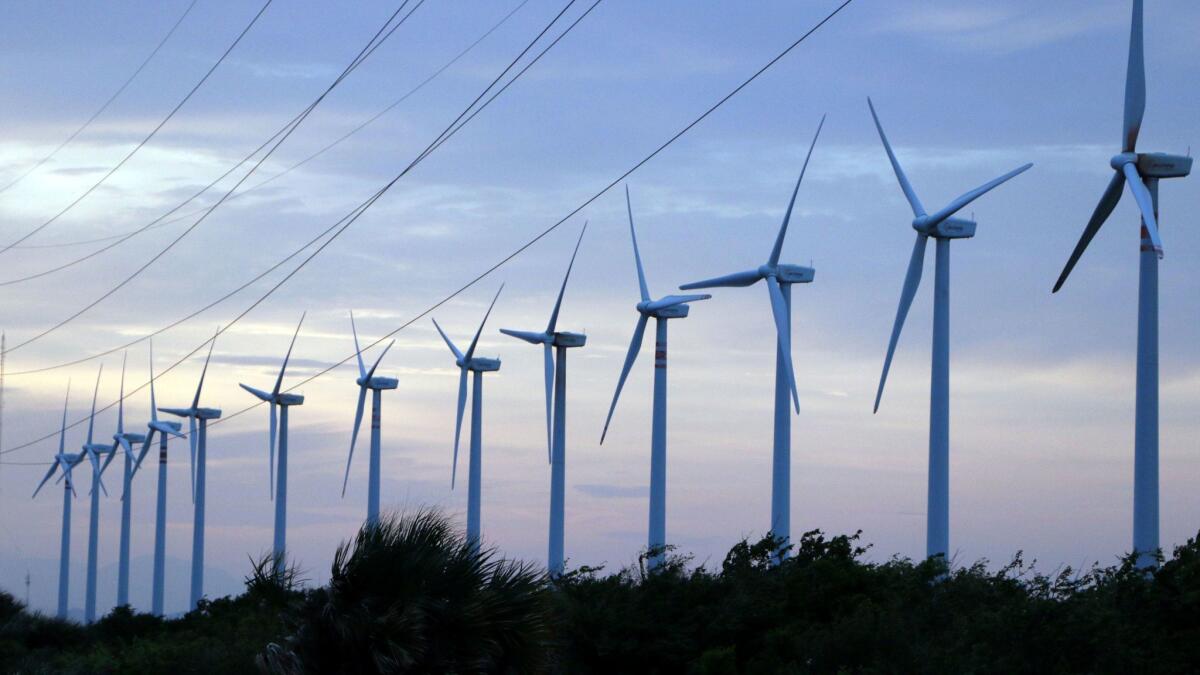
[345,220]
[149,136]
[159,222]
[281,136]
[787,50]
[104,106]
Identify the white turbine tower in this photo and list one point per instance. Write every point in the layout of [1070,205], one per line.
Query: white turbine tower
[661,310]
[164,430]
[1141,172]
[198,438]
[477,366]
[942,226]
[554,351]
[367,380]
[779,279]
[63,461]
[279,470]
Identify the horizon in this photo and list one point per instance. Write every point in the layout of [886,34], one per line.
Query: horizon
[1041,385]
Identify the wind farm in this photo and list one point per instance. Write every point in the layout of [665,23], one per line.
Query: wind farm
[795,479]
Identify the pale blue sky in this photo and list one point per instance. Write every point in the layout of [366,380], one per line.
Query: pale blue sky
[1042,397]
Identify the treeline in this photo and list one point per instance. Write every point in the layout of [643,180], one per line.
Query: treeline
[412,596]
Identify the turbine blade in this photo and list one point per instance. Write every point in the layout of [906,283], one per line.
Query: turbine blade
[362,371]
[126,445]
[635,345]
[462,404]
[1108,202]
[145,448]
[672,300]
[49,474]
[1145,203]
[108,460]
[92,417]
[909,193]
[371,372]
[121,400]
[735,280]
[548,353]
[1135,81]
[475,340]
[528,336]
[457,354]
[153,404]
[968,197]
[912,280]
[784,329]
[288,356]
[637,256]
[204,371]
[258,393]
[778,248]
[563,289]
[62,435]
[358,415]
[271,451]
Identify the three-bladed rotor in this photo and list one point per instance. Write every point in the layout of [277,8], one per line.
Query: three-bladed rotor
[155,426]
[467,362]
[667,307]
[276,398]
[939,225]
[367,380]
[197,413]
[63,460]
[123,441]
[775,275]
[1130,168]
[549,339]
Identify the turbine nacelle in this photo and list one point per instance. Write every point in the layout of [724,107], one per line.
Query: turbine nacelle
[567,339]
[378,382]
[481,364]
[673,312]
[1162,165]
[289,399]
[789,274]
[947,228]
[166,427]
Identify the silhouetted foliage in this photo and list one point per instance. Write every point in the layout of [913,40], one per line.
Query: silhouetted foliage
[412,596]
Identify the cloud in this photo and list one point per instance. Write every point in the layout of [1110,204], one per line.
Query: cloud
[1002,30]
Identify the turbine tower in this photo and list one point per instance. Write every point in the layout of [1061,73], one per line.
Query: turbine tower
[367,380]
[661,310]
[554,349]
[1141,172]
[942,226]
[477,366]
[63,461]
[198,437]
[779,279]
[97,454]
[164,430]
[278,475]
[124,441]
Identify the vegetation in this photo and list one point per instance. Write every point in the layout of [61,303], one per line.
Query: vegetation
[411,596]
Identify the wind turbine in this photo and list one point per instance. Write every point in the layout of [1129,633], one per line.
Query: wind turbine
[279,419]
[164,431]
[95,452]
[661,310]
[477,365]
[779,279]
[367,380]
[1141,172]
[124,441]
[63,461]
[198,437]
[555,344]
[942,226]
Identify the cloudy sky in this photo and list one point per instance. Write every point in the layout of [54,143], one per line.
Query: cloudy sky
[1042,385]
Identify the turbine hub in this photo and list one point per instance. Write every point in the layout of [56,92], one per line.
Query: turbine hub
[1118,162]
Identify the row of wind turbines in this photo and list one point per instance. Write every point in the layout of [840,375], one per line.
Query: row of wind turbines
[1140,172]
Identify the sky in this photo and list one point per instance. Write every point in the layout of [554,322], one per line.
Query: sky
[1041,384]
